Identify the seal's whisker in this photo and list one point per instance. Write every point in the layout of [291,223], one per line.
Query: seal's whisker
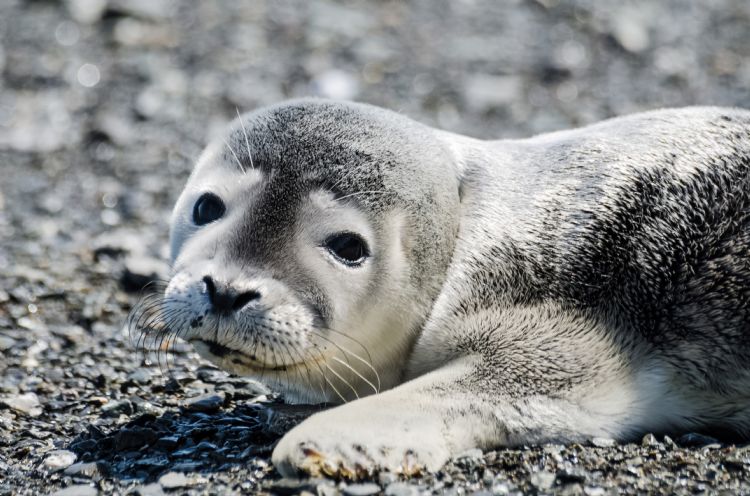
[375,389]
[247,140]
[239,164]
[348,352]
[354,390]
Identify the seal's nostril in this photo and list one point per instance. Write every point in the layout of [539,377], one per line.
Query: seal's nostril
[225,299]
[210,288]
[245,298]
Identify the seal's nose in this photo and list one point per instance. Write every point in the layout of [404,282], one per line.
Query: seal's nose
[226,299]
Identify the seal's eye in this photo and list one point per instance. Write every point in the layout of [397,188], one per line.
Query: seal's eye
[208,208]
[348,248]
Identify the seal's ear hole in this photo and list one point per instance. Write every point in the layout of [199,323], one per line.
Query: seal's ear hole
[208,208]
[348,248]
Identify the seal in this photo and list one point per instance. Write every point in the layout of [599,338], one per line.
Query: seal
[453,293]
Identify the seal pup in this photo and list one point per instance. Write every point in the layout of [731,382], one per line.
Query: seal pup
[584,283]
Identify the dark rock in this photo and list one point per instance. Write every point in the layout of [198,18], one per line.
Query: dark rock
[134,438]
[117,408]
[205,403]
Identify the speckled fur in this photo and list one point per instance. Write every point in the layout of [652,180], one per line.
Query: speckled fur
[593,282]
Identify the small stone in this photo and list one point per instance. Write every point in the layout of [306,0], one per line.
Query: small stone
[90,470]
[385,478]
[26,404]
[542,480]
[134,438]
[175,480]
[205,403]
[649,440]
[153,489]
[116,408]
[87,11]
[168,442]
[669,443]
[77,490]
[141,271]
[401,489]
[594,491]
[569,475]
[6,343]
[630,29]
[365,489]
[603,442]
[59,460]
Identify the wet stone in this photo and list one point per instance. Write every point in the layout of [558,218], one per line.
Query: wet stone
[205,403]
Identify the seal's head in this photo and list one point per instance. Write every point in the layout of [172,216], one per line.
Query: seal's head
[309,245]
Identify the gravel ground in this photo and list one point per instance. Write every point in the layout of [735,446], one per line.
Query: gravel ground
[104,106]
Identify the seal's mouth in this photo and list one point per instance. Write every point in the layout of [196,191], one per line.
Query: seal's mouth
[240,357]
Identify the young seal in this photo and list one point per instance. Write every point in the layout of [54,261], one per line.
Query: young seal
[593,282]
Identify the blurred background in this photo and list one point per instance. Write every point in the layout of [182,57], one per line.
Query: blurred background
[105,105]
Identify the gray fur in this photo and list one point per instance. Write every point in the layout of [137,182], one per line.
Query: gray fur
[593,282]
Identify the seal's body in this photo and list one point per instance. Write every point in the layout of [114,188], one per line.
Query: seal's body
[593,282]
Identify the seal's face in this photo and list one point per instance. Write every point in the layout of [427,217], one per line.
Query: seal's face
[308,246]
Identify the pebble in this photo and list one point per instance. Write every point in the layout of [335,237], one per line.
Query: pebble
[77,490]
[649,440]
[386,478]
[542,480]
[117,408]
[90,470]
[90,174]
[26,404]
[134,438]
[366,489]
[603,442]
[59,460]
[205,403]
[175,480]
[401,489]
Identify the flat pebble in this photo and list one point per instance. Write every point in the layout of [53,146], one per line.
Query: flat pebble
[603,442]
[59,460]
[366,489]
[26,404]
[77,490]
